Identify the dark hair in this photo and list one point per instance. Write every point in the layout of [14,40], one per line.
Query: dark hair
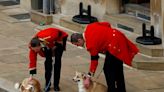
[76,36]
[35,42]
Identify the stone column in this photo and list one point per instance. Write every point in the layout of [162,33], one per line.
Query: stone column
[25,4]
[157,18]
[46,6]
[52,6]
[36,4]
[113,6]
[162,21]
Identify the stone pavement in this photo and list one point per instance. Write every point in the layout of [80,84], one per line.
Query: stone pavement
[14,38]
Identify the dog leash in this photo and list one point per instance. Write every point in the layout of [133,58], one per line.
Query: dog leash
[99,74]
[46,89]
[101,55]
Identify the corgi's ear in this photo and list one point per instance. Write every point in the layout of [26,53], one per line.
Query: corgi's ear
[83,75]
[76,73]
[17,85]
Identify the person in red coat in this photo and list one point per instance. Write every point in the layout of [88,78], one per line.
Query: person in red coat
[99,37]
[48,43]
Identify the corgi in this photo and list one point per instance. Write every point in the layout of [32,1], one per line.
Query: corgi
[27,85]
[93,87]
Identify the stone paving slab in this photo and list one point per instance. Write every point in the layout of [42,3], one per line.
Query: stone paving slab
[2,90]
[7,13]
[6,86]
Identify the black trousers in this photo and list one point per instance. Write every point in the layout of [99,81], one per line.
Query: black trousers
[113,70]
[57,65]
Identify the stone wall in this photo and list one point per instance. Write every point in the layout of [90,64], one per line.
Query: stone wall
[71,7]
[25,4]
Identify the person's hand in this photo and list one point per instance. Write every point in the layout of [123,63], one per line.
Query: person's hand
[87,82]
[31,77]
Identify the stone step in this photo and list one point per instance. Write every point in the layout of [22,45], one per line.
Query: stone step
[149,50]
[127,22]
[68,23]
[132,27]
[143,62]
[40,18]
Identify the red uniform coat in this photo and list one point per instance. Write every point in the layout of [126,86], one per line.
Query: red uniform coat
[100,37]
[50,35]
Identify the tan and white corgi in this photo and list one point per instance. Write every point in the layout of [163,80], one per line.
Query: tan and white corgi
[93,87]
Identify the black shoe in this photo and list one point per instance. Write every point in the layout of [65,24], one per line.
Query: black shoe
[56,88]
